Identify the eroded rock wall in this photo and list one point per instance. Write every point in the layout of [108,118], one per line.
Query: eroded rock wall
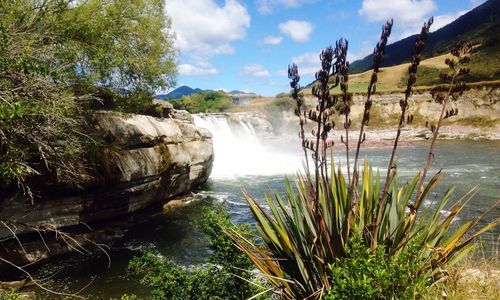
[475,102]
[146,160]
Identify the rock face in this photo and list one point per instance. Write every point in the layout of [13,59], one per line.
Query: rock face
[146,160]
[477,102]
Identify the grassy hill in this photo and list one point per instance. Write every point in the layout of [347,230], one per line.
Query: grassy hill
[480,25]
[484,65]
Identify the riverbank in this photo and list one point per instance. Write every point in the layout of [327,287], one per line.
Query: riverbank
[385,137]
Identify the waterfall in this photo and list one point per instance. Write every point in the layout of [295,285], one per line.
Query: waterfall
[240,151]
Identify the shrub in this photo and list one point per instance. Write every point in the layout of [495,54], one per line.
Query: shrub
[327,222]
[8,295]
[226,275]
[205,102]
[52,55]
[428,76]
[370,274]
[274,111]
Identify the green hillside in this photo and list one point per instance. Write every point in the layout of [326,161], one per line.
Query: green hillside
[480,25]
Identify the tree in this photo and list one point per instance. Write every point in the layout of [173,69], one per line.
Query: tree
[53,52]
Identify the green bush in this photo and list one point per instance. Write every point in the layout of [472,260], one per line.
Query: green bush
[53,55]
[427,76]
[206,102]
[8,295]
[274,111]
[226,274]
[372,274]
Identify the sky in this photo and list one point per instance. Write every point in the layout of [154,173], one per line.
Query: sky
[247,45]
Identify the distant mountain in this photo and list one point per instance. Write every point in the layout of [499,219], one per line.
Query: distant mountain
[179,92]
[481,25]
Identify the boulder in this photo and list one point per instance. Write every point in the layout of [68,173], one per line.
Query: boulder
[145,161]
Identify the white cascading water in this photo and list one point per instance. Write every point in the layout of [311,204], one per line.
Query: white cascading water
[239,151]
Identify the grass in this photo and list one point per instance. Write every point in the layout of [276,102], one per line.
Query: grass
[474,121]
[427,76]
[472,278]
[484,67]
[257,104]
[354,87]
[392,76]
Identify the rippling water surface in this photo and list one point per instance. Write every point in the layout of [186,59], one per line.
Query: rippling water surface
[464,163]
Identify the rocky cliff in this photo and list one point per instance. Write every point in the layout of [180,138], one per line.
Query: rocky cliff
[473,103]
[145,160]
[478,113]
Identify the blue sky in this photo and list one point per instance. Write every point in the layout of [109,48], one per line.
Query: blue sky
[247,45]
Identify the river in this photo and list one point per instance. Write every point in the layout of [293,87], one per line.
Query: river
[243,160]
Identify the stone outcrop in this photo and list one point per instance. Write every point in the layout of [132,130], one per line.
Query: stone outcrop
[476,102]
[145,160]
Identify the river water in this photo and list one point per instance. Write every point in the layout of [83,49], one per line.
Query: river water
[244,160]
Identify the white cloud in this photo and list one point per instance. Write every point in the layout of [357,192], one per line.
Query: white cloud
[204,28]
[307,58]
[196,70]
[364,50]
[475,3]
[409,15]
[443,20]
[254,70]
[307,63]
[339,15]
[273,40]
[268,6]
[439,22]
[401,10]
[298,31]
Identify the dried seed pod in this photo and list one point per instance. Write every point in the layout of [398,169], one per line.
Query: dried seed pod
[433,128]
[444,76]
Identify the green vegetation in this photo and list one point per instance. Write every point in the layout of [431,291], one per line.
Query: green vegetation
[354,234]
[427,76]
[354,88]
[477,25]
[367,274]
[472,278]
[479,122]
[485,60]
[58,59]
[274,111]
[206,102]
[8,296]
[226,274]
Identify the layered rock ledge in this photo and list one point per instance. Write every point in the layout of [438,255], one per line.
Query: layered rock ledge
[145,161]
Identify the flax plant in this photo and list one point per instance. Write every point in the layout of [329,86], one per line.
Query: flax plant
[308,228]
